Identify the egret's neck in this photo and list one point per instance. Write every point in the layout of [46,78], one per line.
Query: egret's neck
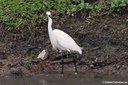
[50,32]
[49,25]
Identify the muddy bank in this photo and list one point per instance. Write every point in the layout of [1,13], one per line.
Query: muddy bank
[104,39]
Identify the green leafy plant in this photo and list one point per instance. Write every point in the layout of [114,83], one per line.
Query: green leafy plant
[85,6]
[117,4]
[81,6]
[98,8]
[16,14]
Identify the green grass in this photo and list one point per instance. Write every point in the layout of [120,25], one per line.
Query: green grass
[15,14]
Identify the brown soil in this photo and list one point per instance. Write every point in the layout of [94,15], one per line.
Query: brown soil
[104,40]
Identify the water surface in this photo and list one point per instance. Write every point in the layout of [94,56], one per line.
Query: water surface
[58,79]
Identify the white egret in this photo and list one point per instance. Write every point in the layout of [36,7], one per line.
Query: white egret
[62,41]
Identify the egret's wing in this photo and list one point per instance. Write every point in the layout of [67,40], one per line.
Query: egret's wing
[65,41]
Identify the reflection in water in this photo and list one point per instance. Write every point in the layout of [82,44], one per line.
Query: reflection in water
[56,79]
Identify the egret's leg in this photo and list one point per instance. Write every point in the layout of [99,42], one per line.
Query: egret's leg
[62,63]
[74,61]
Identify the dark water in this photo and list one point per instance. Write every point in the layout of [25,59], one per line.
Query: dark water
[57,79]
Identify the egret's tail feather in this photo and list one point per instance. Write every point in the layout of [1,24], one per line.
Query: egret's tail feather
[80,51]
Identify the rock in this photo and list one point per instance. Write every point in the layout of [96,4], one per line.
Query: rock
[13,64]
[1,64]
[126,20]
[3,55]
[35,61]
[16,71]
[91,66]
[106,27]
[25,71]
[35,68]
[43,55]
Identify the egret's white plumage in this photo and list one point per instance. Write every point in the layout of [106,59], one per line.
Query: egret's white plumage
[61,40]
[65,42]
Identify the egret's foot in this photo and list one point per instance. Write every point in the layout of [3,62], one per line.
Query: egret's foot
[76,73]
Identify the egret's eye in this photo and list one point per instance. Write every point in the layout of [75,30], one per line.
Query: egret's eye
[50,16]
